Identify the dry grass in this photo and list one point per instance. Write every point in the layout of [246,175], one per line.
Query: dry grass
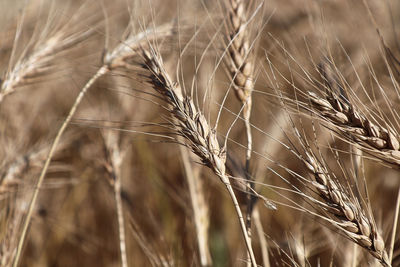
[199,133]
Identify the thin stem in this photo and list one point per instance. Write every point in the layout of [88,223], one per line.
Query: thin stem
[246,114]
[261,237]
[355,255]
[241,220]
[103,70]
[121,223]
[396,218]
[249,184]
[200,211]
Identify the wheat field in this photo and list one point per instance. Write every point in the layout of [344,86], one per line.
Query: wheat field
[199,133]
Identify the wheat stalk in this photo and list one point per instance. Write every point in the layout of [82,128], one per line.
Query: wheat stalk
[114,158]
[193,126]
[110,63]
[241,69]
[199,207]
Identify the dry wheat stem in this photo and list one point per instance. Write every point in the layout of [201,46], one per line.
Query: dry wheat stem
[395,221]
[121,223]
[261,234]
[199,207]
[112,60]
[103,70]
[193,126]
[114,159]
[241,71]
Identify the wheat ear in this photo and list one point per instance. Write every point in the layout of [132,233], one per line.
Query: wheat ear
[380,141]
[241,72]
[12,171]
[348,213]
[31,66]
[193,126]
[351,218]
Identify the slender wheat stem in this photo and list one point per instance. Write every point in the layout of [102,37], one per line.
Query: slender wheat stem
[112,60]
[121,223]
[199,207]
[261,235]
[395,221]
[103,70]
[114,159]
[241,71]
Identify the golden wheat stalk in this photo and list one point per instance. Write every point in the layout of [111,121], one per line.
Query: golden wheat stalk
[110,63]
[241,69]
[193,126]
[199,206]
[114,158]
